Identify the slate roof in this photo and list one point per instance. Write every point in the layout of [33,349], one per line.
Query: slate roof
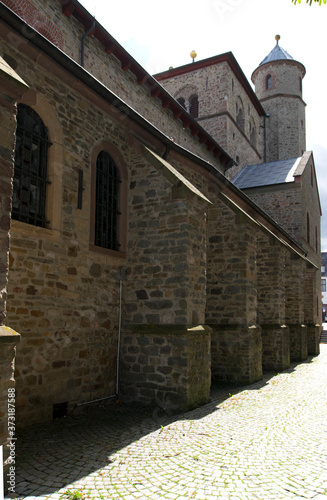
[266,174]
[276,54]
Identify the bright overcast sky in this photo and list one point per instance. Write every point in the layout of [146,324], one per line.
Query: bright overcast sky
[162,34]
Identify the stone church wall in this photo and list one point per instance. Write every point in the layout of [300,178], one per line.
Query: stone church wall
[188,257]
[283,205]
[220,94]
[63,295]
[106,68]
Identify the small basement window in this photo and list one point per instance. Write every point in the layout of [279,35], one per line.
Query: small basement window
[60,410]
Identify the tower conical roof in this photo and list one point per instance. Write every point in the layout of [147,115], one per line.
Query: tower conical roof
[276,54]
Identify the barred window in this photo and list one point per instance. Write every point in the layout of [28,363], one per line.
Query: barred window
[194,106]
[107,203]
[30,171]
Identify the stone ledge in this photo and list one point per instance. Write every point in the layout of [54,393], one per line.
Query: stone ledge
[8,335]
[168,329]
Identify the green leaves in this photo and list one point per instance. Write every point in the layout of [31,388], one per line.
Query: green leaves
[310,1]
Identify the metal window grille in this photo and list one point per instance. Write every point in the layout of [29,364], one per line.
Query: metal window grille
[30,172]
[194,107]
[107,203]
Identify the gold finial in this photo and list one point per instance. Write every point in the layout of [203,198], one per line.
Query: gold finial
[193,54]
[277,38]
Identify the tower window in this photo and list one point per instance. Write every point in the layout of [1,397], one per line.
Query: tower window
[268,82]
[30,171]
[240,117]
[107,202]
[308,228]
[181,101]
[300,84]
[194,106]
[253,135]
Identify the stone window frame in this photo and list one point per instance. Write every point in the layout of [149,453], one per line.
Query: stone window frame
[30,168]
[308,228]
[117,157]
[268,81]
[240,115]
[253,132]
[53,203]
[181,101]
[194,105]
[185,95]
[323,285]
[269,77]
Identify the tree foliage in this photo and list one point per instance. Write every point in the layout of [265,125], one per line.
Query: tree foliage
[310,1]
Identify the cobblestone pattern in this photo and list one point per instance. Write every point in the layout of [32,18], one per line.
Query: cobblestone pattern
[267,442]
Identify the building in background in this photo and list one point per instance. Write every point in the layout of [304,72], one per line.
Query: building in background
[324,284]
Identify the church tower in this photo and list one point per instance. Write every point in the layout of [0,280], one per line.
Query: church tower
[278,86]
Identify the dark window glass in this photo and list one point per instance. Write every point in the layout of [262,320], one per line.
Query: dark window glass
[181,101]
[268,82]
[30,172]
[194,106]
[240,118]
[308,228]
[107,202]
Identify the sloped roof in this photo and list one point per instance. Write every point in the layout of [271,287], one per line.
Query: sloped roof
[267,174]
[276,54]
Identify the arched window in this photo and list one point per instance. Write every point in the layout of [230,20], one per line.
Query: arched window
[107,203]
[194,106]
[253,134]
[268,82]
[181,101]
[240,116]
[30,171]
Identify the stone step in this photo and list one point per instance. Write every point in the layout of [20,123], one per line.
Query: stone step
[323,337]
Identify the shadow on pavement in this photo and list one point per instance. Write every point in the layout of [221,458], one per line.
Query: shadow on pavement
[53,455]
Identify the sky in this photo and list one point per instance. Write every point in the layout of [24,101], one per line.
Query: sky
[162,34]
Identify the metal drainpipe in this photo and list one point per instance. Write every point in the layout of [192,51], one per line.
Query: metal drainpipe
[85,34]
[265,137]
[122,276]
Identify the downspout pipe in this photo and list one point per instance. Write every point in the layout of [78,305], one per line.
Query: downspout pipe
[267,115]
[89,32]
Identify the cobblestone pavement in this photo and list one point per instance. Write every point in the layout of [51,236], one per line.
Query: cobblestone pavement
[267,441]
